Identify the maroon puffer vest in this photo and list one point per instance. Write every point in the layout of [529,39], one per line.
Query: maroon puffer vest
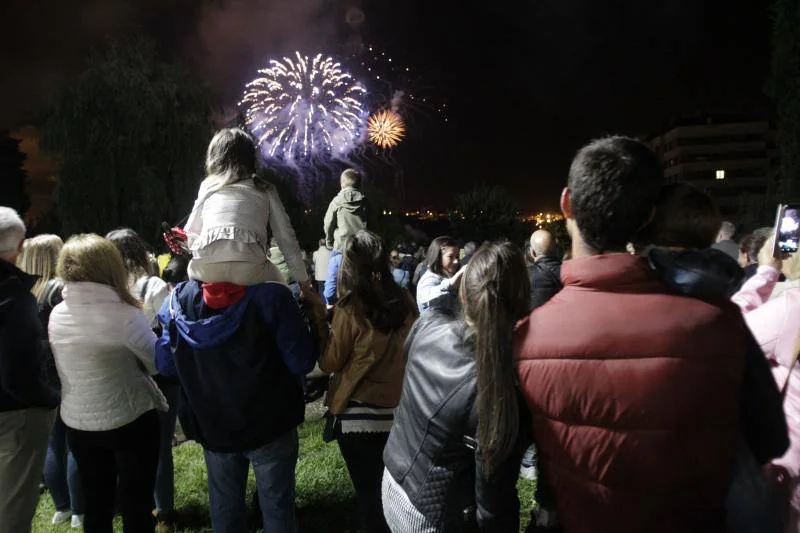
[634,395]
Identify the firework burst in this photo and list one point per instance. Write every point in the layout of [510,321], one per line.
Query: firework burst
[305,107]
[386,128]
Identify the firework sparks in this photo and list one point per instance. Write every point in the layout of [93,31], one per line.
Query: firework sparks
[386,128]
[305,107]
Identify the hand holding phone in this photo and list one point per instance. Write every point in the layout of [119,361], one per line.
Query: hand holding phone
[767,257]
[787,230]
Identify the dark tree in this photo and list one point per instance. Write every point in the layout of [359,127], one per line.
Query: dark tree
[784,86]
[12,175]
[487,213]
[130,135]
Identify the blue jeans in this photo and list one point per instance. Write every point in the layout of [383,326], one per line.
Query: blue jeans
[274,466]
[334,263]
[61,472]
[165,475]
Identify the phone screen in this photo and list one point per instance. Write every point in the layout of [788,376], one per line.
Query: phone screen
[788,229]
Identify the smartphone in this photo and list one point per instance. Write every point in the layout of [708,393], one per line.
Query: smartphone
[787,229]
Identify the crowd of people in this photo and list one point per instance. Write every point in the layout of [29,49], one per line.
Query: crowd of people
[645,374]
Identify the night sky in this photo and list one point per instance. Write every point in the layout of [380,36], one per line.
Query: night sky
[526,82]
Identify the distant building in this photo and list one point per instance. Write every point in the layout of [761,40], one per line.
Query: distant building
[731,158]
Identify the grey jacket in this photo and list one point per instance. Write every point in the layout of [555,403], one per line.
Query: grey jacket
[347,214]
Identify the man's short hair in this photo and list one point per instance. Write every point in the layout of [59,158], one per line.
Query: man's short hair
[614,184]
[727,230]
[351,178]
[757,241]
[685,217]
[12,230]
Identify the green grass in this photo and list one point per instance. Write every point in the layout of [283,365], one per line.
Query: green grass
[324,492]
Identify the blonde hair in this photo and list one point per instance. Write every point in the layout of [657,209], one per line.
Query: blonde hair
[90,257]
[39,257]
[350,178]
[791,267]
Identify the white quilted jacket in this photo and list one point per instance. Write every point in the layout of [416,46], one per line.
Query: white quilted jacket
[100,345]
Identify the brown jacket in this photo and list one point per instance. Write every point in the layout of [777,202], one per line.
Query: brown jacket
[368,365]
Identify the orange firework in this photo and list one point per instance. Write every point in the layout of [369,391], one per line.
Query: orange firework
[386,128]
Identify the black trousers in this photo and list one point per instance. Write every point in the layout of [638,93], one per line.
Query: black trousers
[320,287]
[128,453]
[363,455]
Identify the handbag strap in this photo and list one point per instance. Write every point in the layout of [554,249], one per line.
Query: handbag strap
[143,291]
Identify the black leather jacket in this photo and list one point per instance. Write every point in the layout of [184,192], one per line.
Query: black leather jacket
[427,453]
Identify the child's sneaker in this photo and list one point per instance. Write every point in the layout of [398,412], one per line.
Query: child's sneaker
[527,469]
[77,521]
[165,521]
[60,517]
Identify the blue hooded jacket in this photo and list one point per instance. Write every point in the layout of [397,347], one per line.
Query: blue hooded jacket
[241,368]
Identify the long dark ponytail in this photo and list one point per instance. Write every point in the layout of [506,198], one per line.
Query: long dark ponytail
[496,294]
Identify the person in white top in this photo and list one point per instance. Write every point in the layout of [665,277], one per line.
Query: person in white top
[321,258]
[227,229]
[151,291]
[104,349]
[436,288]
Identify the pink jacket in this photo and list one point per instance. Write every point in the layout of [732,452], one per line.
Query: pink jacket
[775,324]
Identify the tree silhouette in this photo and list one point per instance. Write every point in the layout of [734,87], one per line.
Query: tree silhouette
[129,135]
[487,213]
[12,175]
[784,88]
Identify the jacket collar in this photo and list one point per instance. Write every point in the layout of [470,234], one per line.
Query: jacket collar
[10,270]
[617,272]
[81,292]
[549,260]
[706,274]
[185,310]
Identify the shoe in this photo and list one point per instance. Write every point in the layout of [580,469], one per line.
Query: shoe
[165,521]
[528,472]
[77,521]
[60,517]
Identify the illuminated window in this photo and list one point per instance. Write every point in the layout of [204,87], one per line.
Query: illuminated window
[720,174]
